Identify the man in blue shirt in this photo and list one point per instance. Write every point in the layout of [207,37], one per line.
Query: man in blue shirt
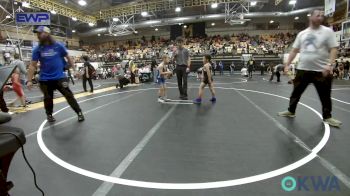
[52,55]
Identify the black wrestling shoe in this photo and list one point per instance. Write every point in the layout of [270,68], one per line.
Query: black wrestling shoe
[50,119]
[81,117]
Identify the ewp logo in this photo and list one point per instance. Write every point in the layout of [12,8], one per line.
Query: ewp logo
[311,183]
[35,18]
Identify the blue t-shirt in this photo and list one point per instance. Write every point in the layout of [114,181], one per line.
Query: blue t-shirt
[52,61]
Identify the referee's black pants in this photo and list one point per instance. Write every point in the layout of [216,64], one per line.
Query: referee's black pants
[323,86]
[181,74]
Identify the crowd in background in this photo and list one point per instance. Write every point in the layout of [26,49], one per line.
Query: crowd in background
[341,69]
[214,45]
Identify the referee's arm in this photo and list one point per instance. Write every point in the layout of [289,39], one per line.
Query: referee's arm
[291,57]
[189,62]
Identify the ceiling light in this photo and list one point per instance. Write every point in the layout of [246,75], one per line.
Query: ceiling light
[91,24]
[152,21]
[253,3]
[212,16]
[136,32]
[308,15]
[53,12]
[178,9]
[181,19]
[271,21]
[99,35]
[8,16]
[82,2]
[292,2]
[296,18]
[214,5]
[185,26]
[144,14]
[115,19]
[74,19]
[156,29]
[73,31]
[213,24]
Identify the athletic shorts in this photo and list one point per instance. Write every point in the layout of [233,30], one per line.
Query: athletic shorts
[18,90]
[160,81]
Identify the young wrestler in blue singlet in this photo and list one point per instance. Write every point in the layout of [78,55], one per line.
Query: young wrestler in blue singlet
[162,74]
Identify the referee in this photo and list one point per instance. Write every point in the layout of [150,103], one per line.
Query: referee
[183,63]
[318,49]
[52,55]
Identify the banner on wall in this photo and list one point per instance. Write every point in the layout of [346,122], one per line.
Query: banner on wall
[329,7]
[345,31]
[340,13]
[188,31]
[33,18]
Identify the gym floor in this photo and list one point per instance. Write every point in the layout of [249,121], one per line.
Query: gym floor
[36,96]
[129,135]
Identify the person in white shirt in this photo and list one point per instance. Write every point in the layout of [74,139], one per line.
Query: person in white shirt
[262,67]
[244,71]
[318,49]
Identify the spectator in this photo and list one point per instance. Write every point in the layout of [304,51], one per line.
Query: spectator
[22,71]
[154,69]
[346,70]
[276,71]
[341,71]
[251,67]
[214,66]
[262,67]
[132,69]
[232,68]
[122,80]
[221,68]
[88,73]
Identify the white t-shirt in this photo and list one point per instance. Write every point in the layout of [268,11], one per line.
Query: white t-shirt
[244,71]
[315,45]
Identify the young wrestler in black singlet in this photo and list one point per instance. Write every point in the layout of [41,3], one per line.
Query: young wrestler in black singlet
[207,79]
